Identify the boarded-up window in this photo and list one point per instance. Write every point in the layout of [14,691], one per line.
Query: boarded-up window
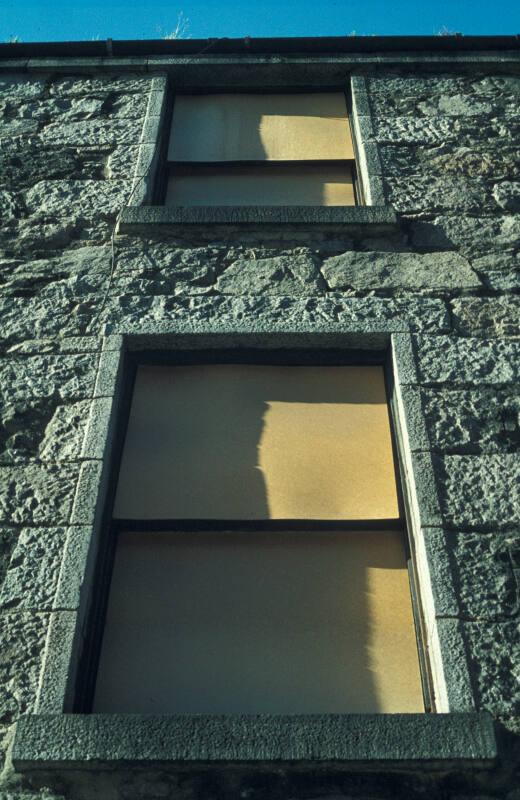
[258,149]
[260,561]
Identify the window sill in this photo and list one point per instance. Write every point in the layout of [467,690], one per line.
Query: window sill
[403,741]
[135,219]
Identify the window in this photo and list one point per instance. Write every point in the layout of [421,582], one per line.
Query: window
[260,557]
[261,149]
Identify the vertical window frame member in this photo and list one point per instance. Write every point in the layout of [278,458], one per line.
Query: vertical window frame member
[411,558]
[83,696]
[359,191]
[171,166]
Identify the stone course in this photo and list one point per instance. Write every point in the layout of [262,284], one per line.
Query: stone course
[449,272]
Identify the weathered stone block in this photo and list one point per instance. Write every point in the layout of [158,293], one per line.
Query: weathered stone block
[281,276]
[495,261]
[51,311]
[412,130]
[8,538]
[37,494]
[149,256]
[41,427]
[36,236]
[487,316]
[468,361]
[32,577]
[25,165]
[13,130]
[480,491]
[22,636]
[165,282]
[402,161]
[121,162]
[77,272]
[395,87]
[252,314]
[397,271]
[494,651]
[77,199]
[495,85]
[456,105]
[51,109]
[20,87]
[473,236]
[22,427]
[67,377]
[484,571]
[63,436]
[507,195]
[69,345]
[428,193]
[100,85]
[451,97]
[422,314]
[10,205]
[93,132]
[502,281]
[473,420]
[130,106]
[473,162]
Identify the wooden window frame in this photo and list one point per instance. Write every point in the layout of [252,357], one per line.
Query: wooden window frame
[89,662]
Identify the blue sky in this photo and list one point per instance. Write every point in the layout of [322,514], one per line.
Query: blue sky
[41,20]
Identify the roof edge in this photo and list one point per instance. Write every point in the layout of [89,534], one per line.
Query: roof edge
[251,45]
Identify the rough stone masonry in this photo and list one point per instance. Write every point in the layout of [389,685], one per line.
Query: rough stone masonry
[448,141]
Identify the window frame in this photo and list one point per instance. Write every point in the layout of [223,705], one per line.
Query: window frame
[87,674]
[146,210]
[454,737]
[191,167]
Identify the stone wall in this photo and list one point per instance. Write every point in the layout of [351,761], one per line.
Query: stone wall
[448,144]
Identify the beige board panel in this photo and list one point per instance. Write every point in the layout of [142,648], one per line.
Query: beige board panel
[258,442]
[310,185]
[258,127]
[281,623]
